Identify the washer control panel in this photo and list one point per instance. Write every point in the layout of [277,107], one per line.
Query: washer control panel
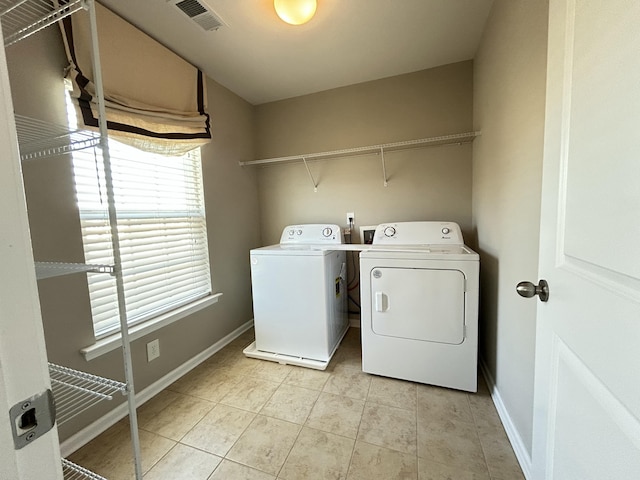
[316,233]
[418,233]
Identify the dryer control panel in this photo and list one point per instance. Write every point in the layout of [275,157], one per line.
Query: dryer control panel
[316,233]
[418,233]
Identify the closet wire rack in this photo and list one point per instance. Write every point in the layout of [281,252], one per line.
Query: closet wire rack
[75,391]
[58,269]
[21,18]
[40,139]
[71,471]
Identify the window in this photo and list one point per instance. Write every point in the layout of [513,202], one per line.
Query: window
[161,226]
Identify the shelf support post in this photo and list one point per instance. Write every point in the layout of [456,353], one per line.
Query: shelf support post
[115,241]
[384,167]
[313,181]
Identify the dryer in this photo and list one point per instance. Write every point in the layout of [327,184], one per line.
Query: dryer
[419,297]
[299,297]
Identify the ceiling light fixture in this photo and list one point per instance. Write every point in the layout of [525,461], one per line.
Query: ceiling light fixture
[295,12]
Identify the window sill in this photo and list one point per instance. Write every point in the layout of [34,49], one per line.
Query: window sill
[112,342]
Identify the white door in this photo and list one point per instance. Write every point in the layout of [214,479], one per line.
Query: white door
[23,367]
[587,400]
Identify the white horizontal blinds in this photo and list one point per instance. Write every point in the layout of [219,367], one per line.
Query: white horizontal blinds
[162,229]
[154,99]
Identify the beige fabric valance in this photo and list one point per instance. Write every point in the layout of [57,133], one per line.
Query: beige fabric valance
[154,99]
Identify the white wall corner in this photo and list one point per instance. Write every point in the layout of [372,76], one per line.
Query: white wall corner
[519,448]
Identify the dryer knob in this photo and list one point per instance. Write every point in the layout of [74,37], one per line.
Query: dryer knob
[291,232]
[445,230]
[327,232]
[299,232]
[389,231]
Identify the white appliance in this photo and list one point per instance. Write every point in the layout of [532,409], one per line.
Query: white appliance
[419,292]
[299,297]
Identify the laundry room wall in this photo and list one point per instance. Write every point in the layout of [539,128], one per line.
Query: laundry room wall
[431,183]
[509,97]
[36,68]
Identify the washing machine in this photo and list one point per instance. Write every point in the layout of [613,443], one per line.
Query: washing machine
[419,298]
[299,297]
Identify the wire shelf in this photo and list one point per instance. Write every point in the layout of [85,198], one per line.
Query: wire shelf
[58,269]
[38,139]
[76,391]
[454,139]
[457,138]
[21,18]
[71,471]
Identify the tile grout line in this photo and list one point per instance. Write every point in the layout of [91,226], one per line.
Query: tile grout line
[417,436]
[355,442]
[475,428]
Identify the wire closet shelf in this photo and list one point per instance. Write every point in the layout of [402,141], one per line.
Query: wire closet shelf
[39,139]
[21,18]
[453,139]
[76,391]
[71,471]
[58,269]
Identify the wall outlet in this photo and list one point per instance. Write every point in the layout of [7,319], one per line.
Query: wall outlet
[351,216]
[153,350]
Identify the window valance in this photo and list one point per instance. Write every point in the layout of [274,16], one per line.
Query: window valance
[154,99]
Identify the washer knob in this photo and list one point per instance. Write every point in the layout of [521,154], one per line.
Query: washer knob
[446,230]
[291,232]
[389,231]
[327,232]
[299,232]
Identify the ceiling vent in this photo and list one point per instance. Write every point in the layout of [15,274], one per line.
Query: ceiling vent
[200,13]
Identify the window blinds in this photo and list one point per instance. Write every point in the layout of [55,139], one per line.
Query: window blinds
[162,229]
[154,99]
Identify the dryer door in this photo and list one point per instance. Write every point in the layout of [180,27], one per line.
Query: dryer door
[418,303]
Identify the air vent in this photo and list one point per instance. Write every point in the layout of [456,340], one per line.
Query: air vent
[199,13]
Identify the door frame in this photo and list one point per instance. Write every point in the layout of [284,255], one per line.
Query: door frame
[23,358]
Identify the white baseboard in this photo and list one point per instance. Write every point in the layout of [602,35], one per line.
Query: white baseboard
[512,432]
[91,431]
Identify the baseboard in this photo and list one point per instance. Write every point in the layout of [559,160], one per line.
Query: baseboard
[512,432]
[354,321]
[91,431]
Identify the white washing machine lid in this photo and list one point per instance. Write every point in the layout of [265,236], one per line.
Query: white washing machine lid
[292,250]
[421,252]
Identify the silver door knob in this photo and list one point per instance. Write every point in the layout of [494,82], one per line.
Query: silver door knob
[528,290]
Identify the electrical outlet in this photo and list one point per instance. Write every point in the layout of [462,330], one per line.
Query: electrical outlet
[153,350]
[351,218]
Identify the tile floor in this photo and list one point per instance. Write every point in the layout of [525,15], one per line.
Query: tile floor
[235,418]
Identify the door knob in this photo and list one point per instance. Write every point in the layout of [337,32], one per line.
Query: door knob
[528,290]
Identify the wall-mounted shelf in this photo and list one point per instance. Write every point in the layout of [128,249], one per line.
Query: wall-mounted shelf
[21,18]
[76,391]
[38,139]
[58,269]
[454,139]
[71,471]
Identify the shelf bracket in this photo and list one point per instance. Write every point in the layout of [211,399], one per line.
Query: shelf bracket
[315,184]
[384,167]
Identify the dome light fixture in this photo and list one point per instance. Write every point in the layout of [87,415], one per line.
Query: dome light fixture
[295,12]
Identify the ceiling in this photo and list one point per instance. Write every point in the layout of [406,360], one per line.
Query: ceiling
[262,59]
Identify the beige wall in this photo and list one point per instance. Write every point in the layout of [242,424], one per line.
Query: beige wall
[431,183]
[35,67]
[509,94]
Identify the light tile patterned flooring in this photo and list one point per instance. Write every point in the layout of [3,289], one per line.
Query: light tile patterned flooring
[235,418]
